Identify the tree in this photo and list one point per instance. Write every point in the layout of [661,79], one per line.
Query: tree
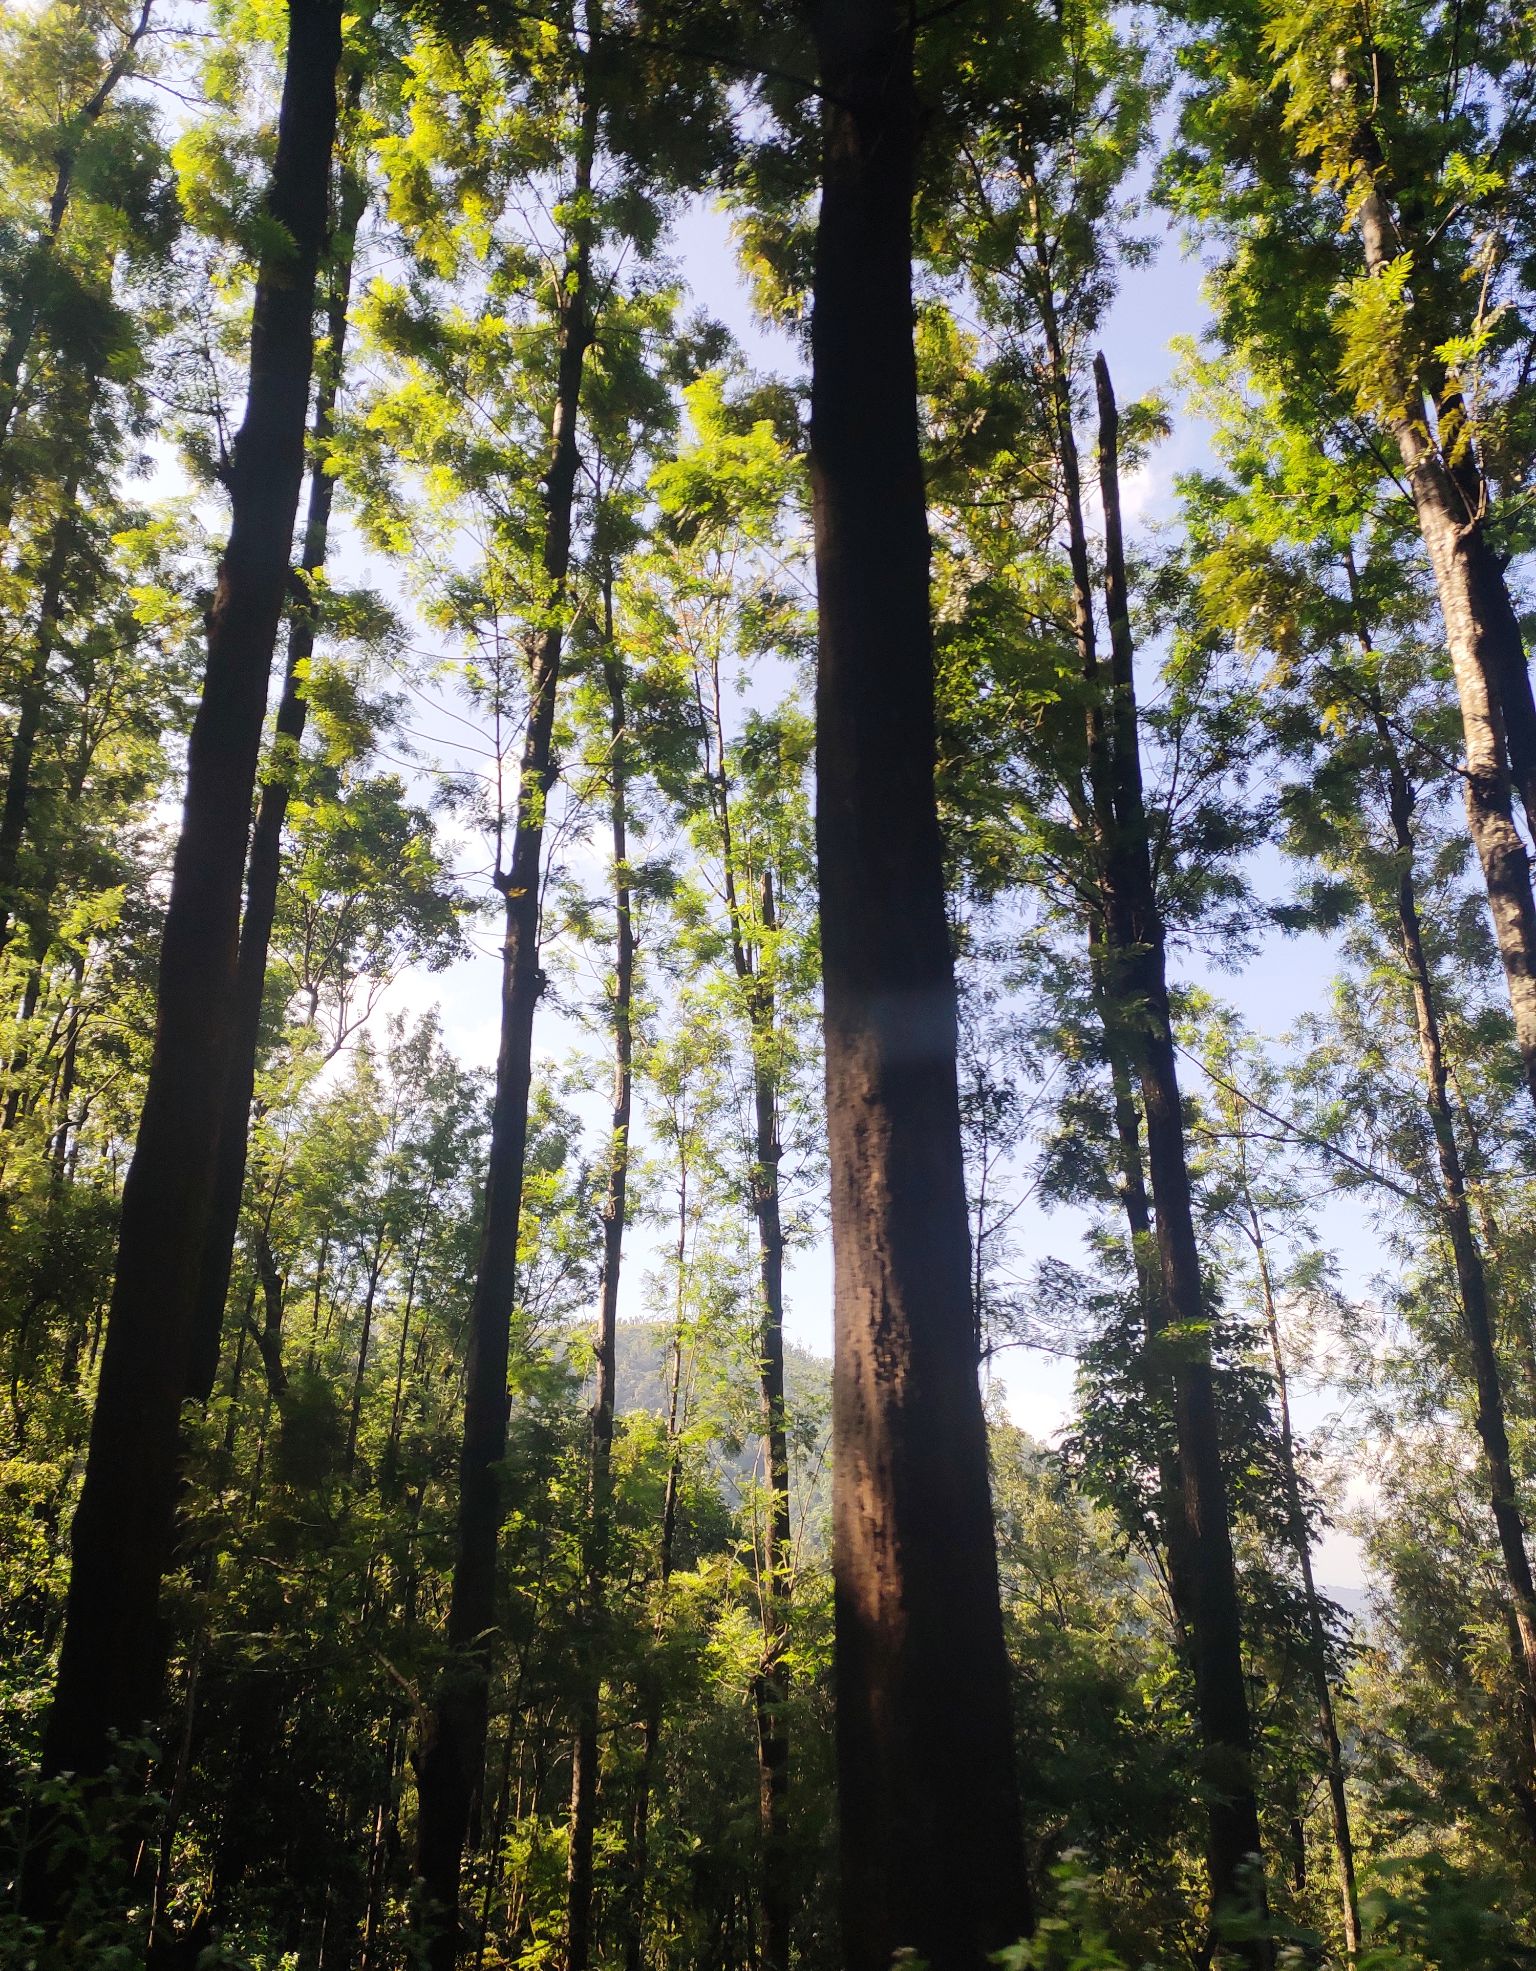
[1376,169]
[110,1664]
[929,1813]
[264,859]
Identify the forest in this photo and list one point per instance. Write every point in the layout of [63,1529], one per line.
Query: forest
[767,985]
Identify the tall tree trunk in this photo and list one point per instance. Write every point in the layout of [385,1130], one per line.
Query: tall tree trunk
[584,1761]
[110,1667]
[1482,635]
[16,1067]
[1471,1276]
[638,1858]
[771,1685]
[932,1856]
[1138,979]
[32,702]
[1301,1542]
[370,1297]
[269,1336]
[770,1689]
[264,865]
[453,1758]
[1144,1257]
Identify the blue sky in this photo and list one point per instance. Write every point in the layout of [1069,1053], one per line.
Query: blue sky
[1285,979]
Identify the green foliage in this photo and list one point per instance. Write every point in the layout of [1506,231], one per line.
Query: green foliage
[1289,662]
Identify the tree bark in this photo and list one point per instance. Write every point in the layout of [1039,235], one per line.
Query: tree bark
[453,1757]
[264,865]
[110,1668]
[370,1297]
[1149,1286]
[585,1753]
[1467,1257]
[770,1687]
[32,703]
[1482,635]
[1138,979]
[269,1336]
[1301,1542]
[932,1856]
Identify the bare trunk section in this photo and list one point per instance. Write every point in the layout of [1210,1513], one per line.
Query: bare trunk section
[1138,1217]
[651,1717]
[771,1685]
[264,866]
[584,1763]
[1488,663]
[452,1766]
[33,700]
[1138,980]
[16,1067]
[932,1856]
[1133,1178]
[269,1336]
[1471,1275]
[1301,1542]
[109,1674]
[359,1380]
[770,1690]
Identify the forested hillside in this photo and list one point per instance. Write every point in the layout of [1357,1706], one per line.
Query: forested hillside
[667,862]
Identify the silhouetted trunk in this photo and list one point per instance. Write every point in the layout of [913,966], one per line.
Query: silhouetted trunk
[110,1668]
[584,1761]
[1317,1639]
[638,1859]
[264,865]
[453,1759]
[1137,975]
[269,1336]
[1471,1275]
[770,1687]
[397,1405]
[31,703]
[16,1067]
[69,1064]
[932,1856]
[359,1380]
[1149,1287]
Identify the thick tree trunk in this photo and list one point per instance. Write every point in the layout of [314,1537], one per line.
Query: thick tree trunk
[110,1668]
[932,1855]
[1471,1275]
[264,865]
[453,1758]
[584,1762]
[1482,635]
[1138,979]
